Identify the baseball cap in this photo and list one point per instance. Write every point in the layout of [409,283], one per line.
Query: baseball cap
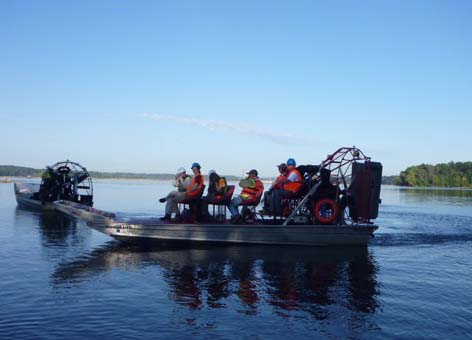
[253,172]
[282,166]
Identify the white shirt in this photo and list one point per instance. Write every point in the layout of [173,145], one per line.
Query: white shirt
[292,177]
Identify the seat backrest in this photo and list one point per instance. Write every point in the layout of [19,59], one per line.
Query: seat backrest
[303,189]
[200,192]
[257,200]
[254,200]
[196,197]
[229,192]
[224,200]
[259,195]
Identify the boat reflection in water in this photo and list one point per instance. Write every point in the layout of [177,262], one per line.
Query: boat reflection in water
[288,278]
[55,229]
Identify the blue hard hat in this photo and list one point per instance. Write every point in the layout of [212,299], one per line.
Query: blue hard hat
[195,165]
[291,161]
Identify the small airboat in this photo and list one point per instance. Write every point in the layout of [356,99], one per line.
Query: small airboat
[66,181]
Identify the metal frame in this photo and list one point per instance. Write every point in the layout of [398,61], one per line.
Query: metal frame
[340,165]
[76,170]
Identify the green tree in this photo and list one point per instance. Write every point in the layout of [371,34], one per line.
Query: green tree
[452,174]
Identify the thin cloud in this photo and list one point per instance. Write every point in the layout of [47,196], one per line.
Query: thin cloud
[275,136]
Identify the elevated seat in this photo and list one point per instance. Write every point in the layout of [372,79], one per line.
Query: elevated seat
[224,199]
[290,201]
[220,202]
[192,205]
[248,212]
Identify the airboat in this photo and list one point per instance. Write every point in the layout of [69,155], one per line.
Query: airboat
[337,204]
[67,182]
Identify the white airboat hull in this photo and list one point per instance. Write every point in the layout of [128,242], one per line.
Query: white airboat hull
[27,202]
[227,233]
[24,193]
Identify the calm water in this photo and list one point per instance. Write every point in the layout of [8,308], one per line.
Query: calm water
[62,280]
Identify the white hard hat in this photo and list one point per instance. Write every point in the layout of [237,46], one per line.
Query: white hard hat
[211,172]
[180,170]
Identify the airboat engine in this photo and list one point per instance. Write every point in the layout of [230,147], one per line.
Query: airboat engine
[365,191]
[66,181]
[358,182]
[345,180]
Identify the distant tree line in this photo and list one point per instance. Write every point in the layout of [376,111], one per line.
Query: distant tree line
[390,180]
[20,171]
[452,174]
[129,175]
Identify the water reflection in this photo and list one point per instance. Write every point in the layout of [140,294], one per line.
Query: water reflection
[449,192]
[56,227]
[53,227]
[289,279]
[448,196]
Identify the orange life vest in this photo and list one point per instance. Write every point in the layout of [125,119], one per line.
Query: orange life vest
[248,193]
[294,186]
[195,186]
[277,183]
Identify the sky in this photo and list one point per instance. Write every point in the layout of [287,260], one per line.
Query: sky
[149,86]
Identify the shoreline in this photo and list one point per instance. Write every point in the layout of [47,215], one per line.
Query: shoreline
[10,179]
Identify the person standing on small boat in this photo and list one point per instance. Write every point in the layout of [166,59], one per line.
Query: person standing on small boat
[191,191]
[252,187]
[49,188]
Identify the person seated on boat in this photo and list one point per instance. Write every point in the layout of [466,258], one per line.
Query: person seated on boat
[182,180]
[289,187]
[277,184]
[252,186]
[192,190]
[216,189]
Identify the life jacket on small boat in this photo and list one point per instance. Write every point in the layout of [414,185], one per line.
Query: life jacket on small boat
[253,190]
[278,183]
[294,186]
[195,187]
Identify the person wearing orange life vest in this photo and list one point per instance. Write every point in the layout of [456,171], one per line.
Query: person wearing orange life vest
[252,187]
[290,186]
[277,184]
[192,190]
